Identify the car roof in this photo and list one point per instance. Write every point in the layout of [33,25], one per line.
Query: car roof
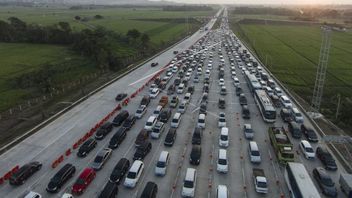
[306,143]
[86,172]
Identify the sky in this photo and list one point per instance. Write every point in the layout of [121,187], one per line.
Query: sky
[280,2]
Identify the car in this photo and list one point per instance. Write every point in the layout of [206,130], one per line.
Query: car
[196,79]
[236,82]
[248,131]
[175,52]
[195,155]
[32,194]
[278,92]
[154,93]
[120,96]
[24,172]
[286,102]
[223,90]
[86,147]
[221,82]
[221,120]
[83,181]
[60,178]
[222,192]
[142,151]
[110,190]
[182,107]
[120,118]
[190,89]
[105,129]
[174,102]
[238,91]
[224,137]
[129,122]
[163,101]
[162,163]
[204,98]
[187,97]
[309,133]
[189,183]
[222,165]
[171,89]
[119,171]
[203,108]
[117,138]
[154,64]
[140,111]
[145,100]
[150,123]
[134,174]
[150,190]
[246,114]
[307,149]
[294,129]
[165,115]
[101,158]
[142,136]
[285,115]
[243,99]
[67,195]
[222,103]
[170,137]
[158,129]
[157,111]
[296,115]
[325,182]
[326,158]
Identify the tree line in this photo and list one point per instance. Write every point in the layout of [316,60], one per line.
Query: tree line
[187,8]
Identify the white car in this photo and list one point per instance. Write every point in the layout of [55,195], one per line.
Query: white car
[196,79]
[141,111]
[189,183]
[161,165]
[236,82]
[268,91]
[67,195]
[174,69]
[224,137]
[152,86]
[222,120]
[32,194]
[307,149]
[134,174]
[297,116]
[222,163]
[187,97]
[233,73]
[154,93]
[286,102]
[221,82]
[182,107]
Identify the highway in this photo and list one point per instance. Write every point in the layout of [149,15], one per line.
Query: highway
[51,141]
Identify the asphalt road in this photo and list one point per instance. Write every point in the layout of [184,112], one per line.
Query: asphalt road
[54,139]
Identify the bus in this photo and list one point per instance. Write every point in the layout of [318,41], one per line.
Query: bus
[298,181]
[252,82]
[265,106]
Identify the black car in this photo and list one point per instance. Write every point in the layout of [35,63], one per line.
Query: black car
[23,173]
[165,115]
[177,81]
[203,108]
[86,147]
[325,182]
[103,131]
[120,96]
[190,89]
[238,91]
[326,158]
[142,151]
[129,122]
[197,136]
[171,90]
[145,100]
[246,114]
[195,155]
[154,64]
[285,115]
[175,52]
[150,190]
[119,171]
[170,137]
[120,118]
[243,99]
[110,190]
[309,133]
[294,129]
[60,178]
[221,103]
[118,137]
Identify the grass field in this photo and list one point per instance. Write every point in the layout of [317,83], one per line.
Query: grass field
[292,54]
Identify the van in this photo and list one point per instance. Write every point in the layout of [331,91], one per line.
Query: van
[149,125]
[245,112]
[197,136]
[60,178]
[176,120]
[110,190]
[201,121]
[294,129]
[253,152]
[222,164]
[150,190]
[134,174]
[141,137]
[181,88]
[189,183]
[161,165]
[222,192]
[224,137]
[248,131]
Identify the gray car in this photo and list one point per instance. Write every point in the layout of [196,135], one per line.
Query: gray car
[101,158]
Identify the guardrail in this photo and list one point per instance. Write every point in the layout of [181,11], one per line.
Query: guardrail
[343,161]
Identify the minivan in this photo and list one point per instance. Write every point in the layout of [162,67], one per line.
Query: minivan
[60,178]
[134,174]
[201,121]
[222,164]
[254,153]
[119,171]
[24,172]
[161,165]
[176,120]
[180,88]
[224,137]
[222,192]
[150,190]
[294,129]
[189,183]
[118,137]
[149,125]
[110,190]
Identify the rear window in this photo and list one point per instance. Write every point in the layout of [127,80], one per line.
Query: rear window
[255,153]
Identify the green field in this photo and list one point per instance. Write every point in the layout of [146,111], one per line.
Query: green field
[292,53]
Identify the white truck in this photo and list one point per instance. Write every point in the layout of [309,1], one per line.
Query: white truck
[346,184]
[260,182]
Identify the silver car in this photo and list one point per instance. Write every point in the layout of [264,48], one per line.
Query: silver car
[101,158]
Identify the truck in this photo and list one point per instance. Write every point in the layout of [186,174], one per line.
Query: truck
[260,182]
[281,144]
[346,184]
[163,101]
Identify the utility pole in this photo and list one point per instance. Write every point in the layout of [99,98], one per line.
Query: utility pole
[338,105]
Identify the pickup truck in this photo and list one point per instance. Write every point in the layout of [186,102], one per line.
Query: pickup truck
[346,184]
[260,182]
[163,101]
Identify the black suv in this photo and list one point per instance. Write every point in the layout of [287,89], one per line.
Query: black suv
[150,190]
[243,99]
[119,170]
[23,173]
[238,91]
[110,190]
[246,114]
[103,131]
[145,100]
[195,155]
[326,158]
[294,129]
[129,122]
[86,147]
[203,108]
[309,133]
[122,116]
[170,137]
[165,115]
[221,103]
[142,151]
[60,178]
[118,137]
[197,136]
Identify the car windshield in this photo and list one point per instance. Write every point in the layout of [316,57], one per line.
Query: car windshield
[298,115]
[98,159]
[309,150]
[222,161]
[174,120]
[131,175]
[139,110]
[149,124]
[224,137]
[222,119]
[80,181]
[160,164]
[156,112]
[188,184]
[327,181]
[156,130]
[261,184]
[255,153]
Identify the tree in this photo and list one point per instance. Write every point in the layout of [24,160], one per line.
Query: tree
[145,40]
[78,18]
[98,16]
[133,33]
[17,23]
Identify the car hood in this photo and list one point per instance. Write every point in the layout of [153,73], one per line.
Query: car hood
[187,191]
[78,187]
[96,165]
[52,186]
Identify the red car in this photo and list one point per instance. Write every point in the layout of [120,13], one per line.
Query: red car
[84,179]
